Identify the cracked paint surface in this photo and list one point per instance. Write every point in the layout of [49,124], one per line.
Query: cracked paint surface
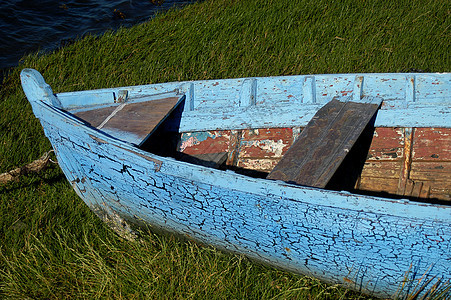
[284,226]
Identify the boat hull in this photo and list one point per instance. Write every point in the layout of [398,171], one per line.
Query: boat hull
[366,243]
[369,244]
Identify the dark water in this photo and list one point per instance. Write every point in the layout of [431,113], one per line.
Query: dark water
[31,25]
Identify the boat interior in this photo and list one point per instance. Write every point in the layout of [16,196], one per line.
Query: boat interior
[333,151]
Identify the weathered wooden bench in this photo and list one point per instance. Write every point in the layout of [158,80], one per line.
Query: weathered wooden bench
[326,140]
[132,121]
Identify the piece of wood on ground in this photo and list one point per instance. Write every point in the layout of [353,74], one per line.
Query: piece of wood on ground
[323,144]
[132,122]
[33,167]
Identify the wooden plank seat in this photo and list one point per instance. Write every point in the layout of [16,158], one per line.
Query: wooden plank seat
[324,143]
[130,121]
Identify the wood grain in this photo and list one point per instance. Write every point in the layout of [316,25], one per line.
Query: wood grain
[323,144]
[139,119]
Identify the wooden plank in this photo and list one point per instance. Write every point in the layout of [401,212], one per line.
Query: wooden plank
[417,188]
[432,144]
[387,144]
[425,191]
[138,119]
[440,193]
[95,117]
[323,144]
[403,182]
[197,143]
[378,184]
[431,171]
[265,142]
[234,147]
[258,164]
[381,169]
[212,160]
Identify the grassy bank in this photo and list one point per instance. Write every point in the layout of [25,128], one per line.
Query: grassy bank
[54,247]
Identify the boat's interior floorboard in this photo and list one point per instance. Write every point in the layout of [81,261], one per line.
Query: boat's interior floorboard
[96,116]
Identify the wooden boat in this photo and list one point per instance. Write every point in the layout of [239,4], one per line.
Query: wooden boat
[209,160]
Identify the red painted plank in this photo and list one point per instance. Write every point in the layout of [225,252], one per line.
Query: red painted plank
[387,144]
[194,143]
[265,143]
[255,150]
[431,171]
[432,144]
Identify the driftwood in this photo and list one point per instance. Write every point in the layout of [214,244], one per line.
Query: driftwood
[34,167]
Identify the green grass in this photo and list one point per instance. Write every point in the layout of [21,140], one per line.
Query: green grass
[54,247]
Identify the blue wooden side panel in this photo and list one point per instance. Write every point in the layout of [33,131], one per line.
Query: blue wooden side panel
[395,89]
[291,116]
[436,89]
[366,243]
[85,99]
[82,99]
[410,100]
